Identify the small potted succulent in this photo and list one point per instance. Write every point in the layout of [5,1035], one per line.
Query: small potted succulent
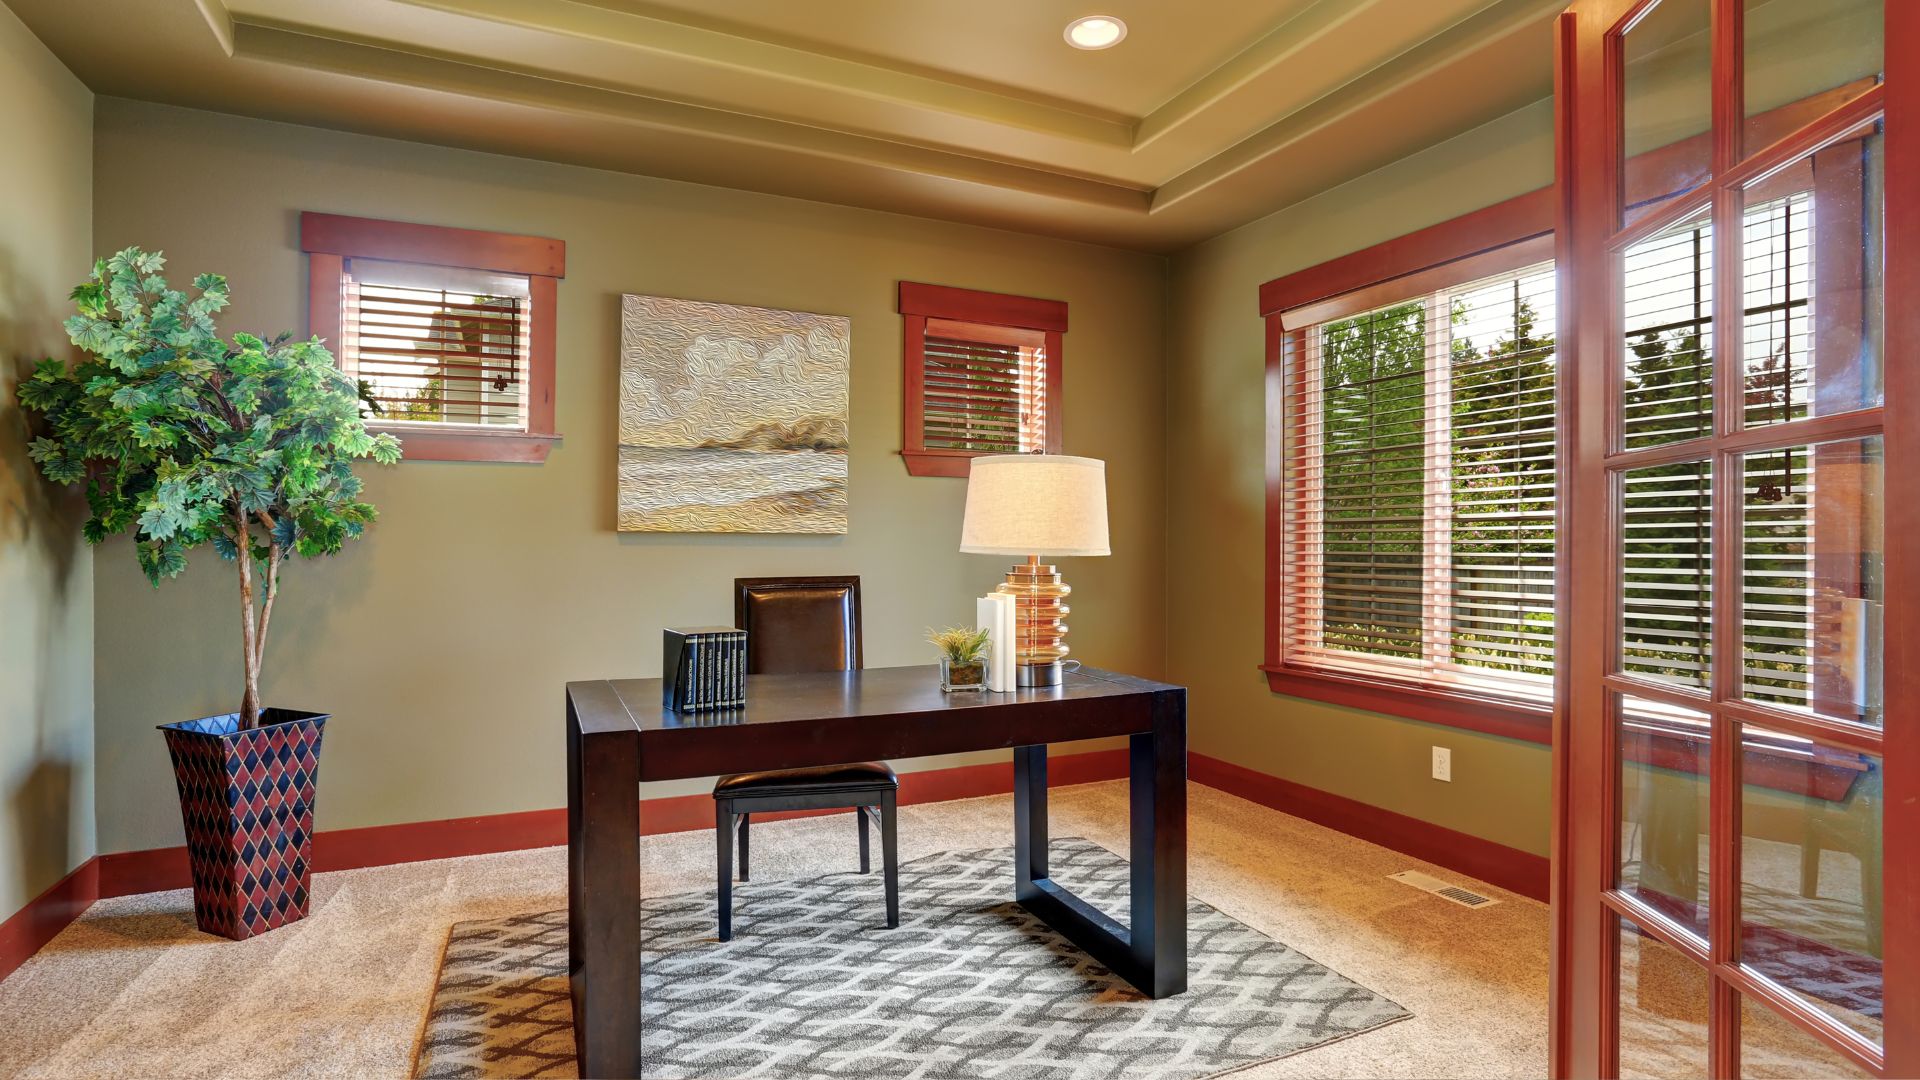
[963,658]
[184,438]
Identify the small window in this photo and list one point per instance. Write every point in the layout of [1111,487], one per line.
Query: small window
[449,332]
[982,375]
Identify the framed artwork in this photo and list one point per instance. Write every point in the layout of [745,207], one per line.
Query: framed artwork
[732,419]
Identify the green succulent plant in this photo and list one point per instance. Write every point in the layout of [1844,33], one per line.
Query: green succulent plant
[961,646]
[185,439]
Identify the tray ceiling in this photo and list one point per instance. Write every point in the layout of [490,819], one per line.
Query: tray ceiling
[1211,113]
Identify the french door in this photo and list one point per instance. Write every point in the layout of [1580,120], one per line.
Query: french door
[1737,767]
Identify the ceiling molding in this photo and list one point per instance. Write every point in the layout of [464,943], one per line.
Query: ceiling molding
[1282,43]
[219,20]
[257,39]
[771,58]
[1489,27]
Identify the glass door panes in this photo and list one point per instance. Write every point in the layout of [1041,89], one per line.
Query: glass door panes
[1738,686]
[1665,759]
[1772,1048]
[1812,555]
[1663,1009]
[1795,50]
[1811,262]
[1810,872]
[1666,573]
[1666,108]
[1667,294]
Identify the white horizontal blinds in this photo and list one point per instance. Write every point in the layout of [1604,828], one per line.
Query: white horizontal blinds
[1503,474]
[1667,540]
[437,345]
[984,388]
[1418,495]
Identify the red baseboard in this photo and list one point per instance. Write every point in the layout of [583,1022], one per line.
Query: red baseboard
[124,873]
[45,915]
[1510,868]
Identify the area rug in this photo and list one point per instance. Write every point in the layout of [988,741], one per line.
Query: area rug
[969,986]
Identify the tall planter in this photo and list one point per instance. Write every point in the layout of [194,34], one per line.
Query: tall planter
[246,798]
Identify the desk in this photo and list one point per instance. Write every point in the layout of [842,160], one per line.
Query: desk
[618,734]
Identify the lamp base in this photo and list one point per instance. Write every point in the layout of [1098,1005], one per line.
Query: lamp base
[1039,610]
[1048,674]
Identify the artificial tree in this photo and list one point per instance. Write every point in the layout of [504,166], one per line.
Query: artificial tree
[186,439]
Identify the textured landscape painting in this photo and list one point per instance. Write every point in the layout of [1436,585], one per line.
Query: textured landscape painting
[732,419]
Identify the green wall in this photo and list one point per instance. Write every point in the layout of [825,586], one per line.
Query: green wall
[46,575]
[1216,440]
[441,642]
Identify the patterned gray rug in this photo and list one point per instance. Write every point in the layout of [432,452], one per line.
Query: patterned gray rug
[969,986]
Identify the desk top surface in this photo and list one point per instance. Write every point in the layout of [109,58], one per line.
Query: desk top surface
[607,705]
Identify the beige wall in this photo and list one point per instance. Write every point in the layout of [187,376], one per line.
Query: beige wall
[46,577]
[1215,501]
[441,641]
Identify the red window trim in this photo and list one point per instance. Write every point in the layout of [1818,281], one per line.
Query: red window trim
[1650,177]
[919,302]
[330,239]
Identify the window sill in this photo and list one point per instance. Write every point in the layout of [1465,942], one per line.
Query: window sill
[939,462]
[1528,723]
[1830,775]
[512,446]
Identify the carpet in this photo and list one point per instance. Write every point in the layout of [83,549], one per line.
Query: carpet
[969,985]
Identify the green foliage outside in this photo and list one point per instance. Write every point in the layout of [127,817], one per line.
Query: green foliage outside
[185,439]
[1502,469]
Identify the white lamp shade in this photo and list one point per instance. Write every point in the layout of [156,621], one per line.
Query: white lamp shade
[1036,504]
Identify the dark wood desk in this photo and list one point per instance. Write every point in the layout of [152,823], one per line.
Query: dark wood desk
[618,734]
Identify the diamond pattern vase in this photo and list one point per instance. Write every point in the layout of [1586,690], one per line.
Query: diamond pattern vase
[246,798]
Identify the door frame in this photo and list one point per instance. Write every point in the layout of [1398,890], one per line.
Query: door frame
[1588,104]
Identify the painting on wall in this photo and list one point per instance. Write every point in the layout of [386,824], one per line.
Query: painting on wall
[732,419]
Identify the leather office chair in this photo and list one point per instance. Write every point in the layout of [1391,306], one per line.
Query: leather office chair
[795,625]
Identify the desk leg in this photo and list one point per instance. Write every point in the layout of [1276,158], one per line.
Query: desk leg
[603,898]
[1158,786]
[1150,952]
[1029,820]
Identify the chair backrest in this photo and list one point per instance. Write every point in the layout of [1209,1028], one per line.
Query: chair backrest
[799,623]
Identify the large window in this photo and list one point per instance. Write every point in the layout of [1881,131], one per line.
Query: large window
[1419,490]
[1412,536]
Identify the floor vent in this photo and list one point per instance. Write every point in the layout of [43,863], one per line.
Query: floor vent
[1454,893]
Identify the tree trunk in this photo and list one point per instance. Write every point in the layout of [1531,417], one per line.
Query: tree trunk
[249,632]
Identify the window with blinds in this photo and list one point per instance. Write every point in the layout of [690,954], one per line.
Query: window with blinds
[984,388]
[981,373]
[1419,483]
[1418,497]
[432,345]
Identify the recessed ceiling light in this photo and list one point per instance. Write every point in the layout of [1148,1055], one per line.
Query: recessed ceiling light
[1096,32]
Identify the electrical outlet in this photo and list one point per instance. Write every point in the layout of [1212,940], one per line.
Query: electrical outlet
[1442,764]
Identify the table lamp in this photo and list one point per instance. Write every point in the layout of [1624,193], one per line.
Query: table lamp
[1033,505]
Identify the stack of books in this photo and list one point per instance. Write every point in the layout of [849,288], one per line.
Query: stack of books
[705,667]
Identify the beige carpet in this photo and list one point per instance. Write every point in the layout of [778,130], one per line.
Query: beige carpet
[133,990]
